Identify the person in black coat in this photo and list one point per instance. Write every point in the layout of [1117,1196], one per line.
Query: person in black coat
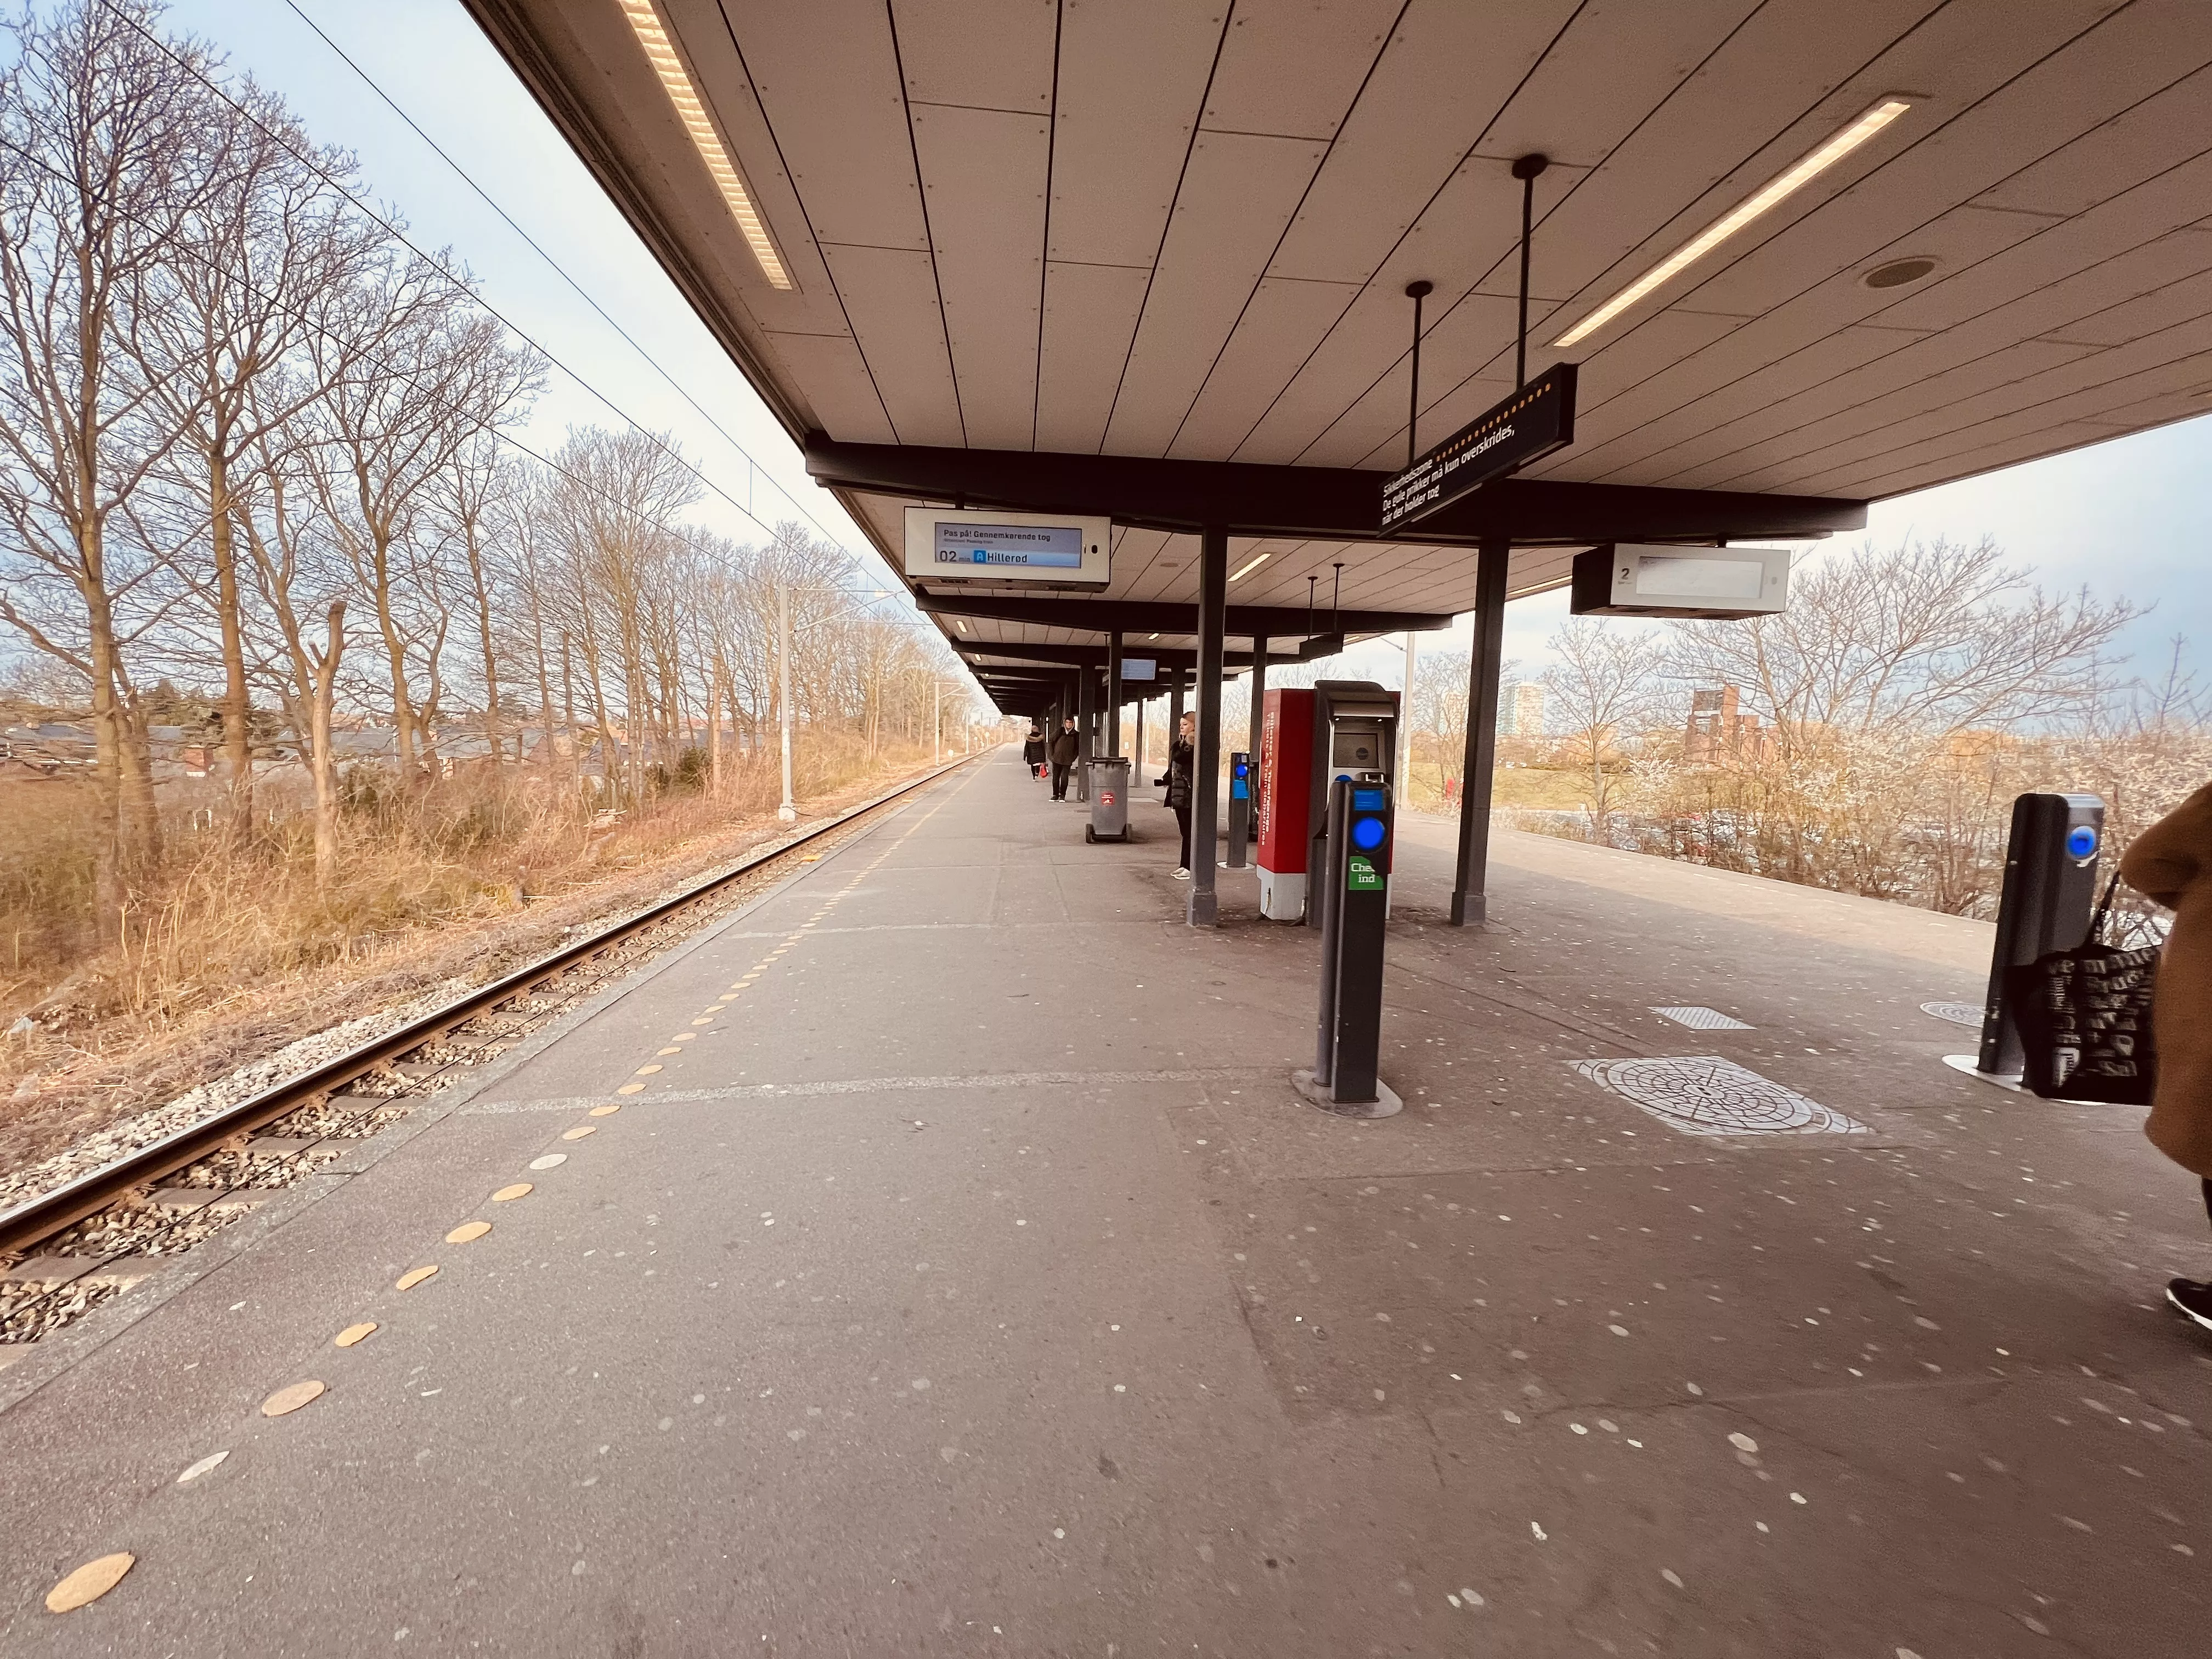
[1065,748]
[1033,751]
[1181,753]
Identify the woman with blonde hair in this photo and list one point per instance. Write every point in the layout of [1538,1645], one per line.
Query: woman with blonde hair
[1180,752]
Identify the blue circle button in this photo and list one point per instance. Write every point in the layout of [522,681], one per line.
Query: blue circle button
[2081,841]
[1367,834]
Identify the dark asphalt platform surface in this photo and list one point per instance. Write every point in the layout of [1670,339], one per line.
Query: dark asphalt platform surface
[969,1279]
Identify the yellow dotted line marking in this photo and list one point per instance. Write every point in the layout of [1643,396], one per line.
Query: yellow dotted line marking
[509,1194]
[468,1232]
[415,1276]
[580,1131]
[605,1111]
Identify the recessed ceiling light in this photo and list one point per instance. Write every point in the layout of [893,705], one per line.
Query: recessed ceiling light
[1253,566]
[1897,273]
[1769,195]
[676,80]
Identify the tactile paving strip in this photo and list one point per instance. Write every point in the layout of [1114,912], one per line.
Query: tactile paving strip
[1702,1019]
[1705,1095]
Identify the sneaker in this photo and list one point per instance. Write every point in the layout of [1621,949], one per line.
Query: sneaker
[1181,874]
[2193,1300]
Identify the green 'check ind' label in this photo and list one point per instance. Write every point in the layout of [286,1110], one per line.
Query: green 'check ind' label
[1361,876]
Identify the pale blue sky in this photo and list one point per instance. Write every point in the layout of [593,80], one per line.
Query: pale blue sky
[2132,517]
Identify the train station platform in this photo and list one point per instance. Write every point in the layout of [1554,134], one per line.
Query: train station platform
[959,1275]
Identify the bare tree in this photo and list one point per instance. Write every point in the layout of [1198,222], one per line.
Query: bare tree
[430,374]
[268,254]
[99,136]
[299,578]
[1601,689]
[473,495]
[1889,665]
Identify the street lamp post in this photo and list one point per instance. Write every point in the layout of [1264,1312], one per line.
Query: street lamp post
[936,722]
[788,812]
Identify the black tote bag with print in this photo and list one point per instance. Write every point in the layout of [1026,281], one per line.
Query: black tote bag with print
[2084,1019]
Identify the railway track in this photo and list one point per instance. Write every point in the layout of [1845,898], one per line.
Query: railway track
[72,1247]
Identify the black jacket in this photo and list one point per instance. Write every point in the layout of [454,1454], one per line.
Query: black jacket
[1033,748]
[1065,748]
[1179,764]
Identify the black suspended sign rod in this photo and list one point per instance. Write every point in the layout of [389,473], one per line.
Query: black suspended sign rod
[1525,168]
[1418,292]
[1528,425]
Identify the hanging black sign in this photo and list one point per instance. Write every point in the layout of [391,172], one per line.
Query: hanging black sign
[1526,427]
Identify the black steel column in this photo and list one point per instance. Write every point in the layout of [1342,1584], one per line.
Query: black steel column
[1205,764]
[1137,765]
[1258,698]
[1175,717]
[1087,716]
[1468,904]
[1114,693]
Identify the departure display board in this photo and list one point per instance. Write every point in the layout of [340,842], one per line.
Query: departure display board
[945,544]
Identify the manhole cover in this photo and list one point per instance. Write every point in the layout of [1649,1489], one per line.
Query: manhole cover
[1702,1019]
[1704,1095]
[1959,1013]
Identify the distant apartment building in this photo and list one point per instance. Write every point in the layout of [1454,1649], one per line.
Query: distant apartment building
[1521,711]
[1718,729]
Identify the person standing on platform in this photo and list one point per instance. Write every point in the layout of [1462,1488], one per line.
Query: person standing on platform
[2171,863]
[1033,751]
[1065,748]
[1181,753]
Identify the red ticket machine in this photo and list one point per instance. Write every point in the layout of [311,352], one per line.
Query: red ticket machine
[1309,738]
[1285,802]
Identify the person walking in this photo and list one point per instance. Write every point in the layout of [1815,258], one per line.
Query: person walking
[2171,863]
[1180,752]
[1033,751]
[1065,748]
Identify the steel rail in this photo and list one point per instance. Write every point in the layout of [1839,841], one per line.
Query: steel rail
[40,1218]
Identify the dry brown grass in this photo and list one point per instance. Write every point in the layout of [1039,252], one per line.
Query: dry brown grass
[235,949]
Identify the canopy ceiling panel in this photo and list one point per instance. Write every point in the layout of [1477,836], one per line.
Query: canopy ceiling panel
[1183,228]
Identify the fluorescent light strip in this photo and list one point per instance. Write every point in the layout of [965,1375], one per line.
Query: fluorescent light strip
[676,80]
[1776,192]
[1253,566]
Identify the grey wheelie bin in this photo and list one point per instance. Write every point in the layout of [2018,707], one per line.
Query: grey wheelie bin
[1110,799]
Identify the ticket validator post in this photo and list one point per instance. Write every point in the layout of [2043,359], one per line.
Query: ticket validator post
[1240,810]
[1352,893]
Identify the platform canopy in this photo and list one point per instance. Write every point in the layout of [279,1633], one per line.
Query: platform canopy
[1134,257]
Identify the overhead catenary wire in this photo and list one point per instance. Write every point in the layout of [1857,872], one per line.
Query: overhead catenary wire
[582,293]
[409,243]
